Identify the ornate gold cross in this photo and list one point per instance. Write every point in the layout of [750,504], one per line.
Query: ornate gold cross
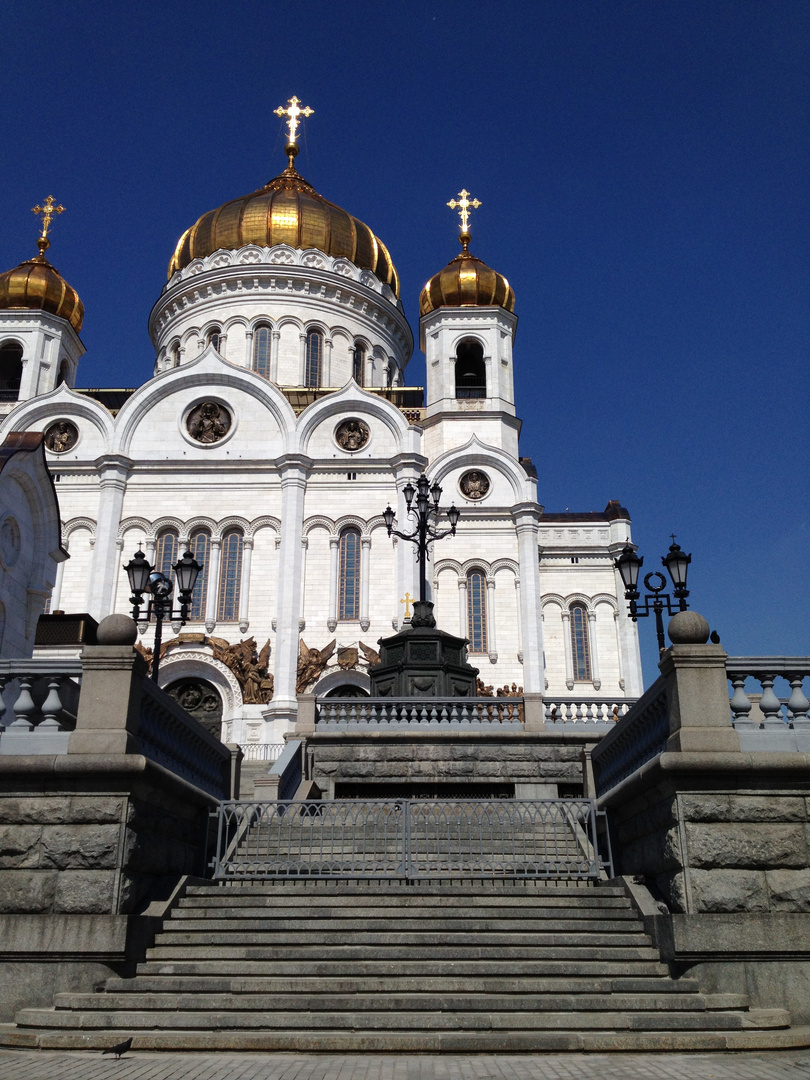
[47,212]
[464,203]
[407,602]
[292,113]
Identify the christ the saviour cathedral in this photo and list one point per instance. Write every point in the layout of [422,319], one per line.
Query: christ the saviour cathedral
[277,427]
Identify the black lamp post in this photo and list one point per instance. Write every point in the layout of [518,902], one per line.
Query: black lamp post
[425,533]
[144,578]
[677,563]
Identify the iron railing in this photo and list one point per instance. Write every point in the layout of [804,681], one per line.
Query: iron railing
[411,839]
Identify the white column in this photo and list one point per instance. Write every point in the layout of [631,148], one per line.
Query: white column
[334,561]
[365,566]
[303,358]
[113,473]
[289,589]
[628,637]
[616,616]
[275,337]
[526,518]
[491,646]
[326,367]
[212,594]
[462,608]
[119,558]
[597,682]
[223,343]
[518,621]
[149,545]
[249,349]
[244,583]
[569,652]
[56,593]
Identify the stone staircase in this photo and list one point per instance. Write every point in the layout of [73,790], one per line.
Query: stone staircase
[390,966]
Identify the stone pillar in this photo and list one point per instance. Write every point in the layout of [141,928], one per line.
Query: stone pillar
[212,592]
[462,607]
[244,584]
[518,621]
[565,616]
[56,592]
[326,368]
[617,615]
[365,571]
[275,337]
[288,591]
[526,517]
[113,473]
[491,645]
[595,679]
[249,349]
[302,602]
[334,569]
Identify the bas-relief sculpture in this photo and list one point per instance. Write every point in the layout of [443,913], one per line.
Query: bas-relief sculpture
[311,663]
[352,434]
[208,422]
[249,666]
[61,436]
[474,484]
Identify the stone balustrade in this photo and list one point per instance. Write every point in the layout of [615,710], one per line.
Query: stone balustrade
[640,735]
[261,751]
[39,702]
[579,710]
[767,711]
[344,713]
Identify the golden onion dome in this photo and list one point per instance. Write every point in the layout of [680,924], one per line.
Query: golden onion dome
[466,282]
[36,285]
[287,210]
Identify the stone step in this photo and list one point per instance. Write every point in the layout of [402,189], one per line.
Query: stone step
[232,937]
[386,1020]
[478,1042]
[526,890]
[261,922]
[444,984]
[294,914]
[438,952]
[517,1001]
[277,897]
[385,966]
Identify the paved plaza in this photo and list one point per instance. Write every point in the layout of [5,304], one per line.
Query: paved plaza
[45,1065]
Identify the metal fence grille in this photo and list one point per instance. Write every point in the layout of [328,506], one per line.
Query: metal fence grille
[409,839]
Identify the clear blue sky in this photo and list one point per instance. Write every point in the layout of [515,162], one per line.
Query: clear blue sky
[643,171]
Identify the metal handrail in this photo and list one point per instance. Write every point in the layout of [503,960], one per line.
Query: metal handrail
[410,839]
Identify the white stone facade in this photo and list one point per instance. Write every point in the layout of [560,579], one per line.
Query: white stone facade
[288,486]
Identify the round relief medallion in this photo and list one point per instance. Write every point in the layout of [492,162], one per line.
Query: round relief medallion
[62,435]
[352,435]
[9,541]
[208,422]
[474,484]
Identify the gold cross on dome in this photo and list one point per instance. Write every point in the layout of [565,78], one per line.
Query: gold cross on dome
[464,203]
[292,113]
[407,602]
[47,212]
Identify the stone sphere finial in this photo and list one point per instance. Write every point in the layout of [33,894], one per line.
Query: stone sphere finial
[688,628]
[116,630]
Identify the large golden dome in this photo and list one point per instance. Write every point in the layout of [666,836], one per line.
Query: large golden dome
[287,210]
[466,282]
[37,285]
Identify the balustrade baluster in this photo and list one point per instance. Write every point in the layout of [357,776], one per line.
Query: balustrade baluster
[52,707]
[23,708]
[798,705]
[740,704]
[770,704]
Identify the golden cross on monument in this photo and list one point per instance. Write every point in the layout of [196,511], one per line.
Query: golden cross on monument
[463,205]
[292,113]
[47,212]
[407,602]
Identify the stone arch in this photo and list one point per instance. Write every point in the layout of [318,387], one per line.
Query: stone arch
[334,679]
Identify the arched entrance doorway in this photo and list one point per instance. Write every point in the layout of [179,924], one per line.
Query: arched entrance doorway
[201,700]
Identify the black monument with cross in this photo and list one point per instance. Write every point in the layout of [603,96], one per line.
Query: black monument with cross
[421,660]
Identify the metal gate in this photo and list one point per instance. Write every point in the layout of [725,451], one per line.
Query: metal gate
[410,839]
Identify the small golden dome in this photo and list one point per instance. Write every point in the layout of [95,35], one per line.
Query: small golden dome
[287,210]
[466,282]
[36,285]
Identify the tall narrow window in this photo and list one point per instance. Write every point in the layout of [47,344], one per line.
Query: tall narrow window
[359,365]
[200,546]
[477,611]
[580,647]
[262,337]
[10,370]
[166,552]
[314,361]
[230,573]
[471,374]
[349,591]
[214,337]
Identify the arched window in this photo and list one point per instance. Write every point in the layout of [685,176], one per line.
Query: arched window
[314,360]
[200,547]
[174,354]
[477,611]
[166,552]
[349,581]
[64,372]
[471,375]
[214,337]
[230,574]
[580,647]
[10,371]
[262,338]
[359,365]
